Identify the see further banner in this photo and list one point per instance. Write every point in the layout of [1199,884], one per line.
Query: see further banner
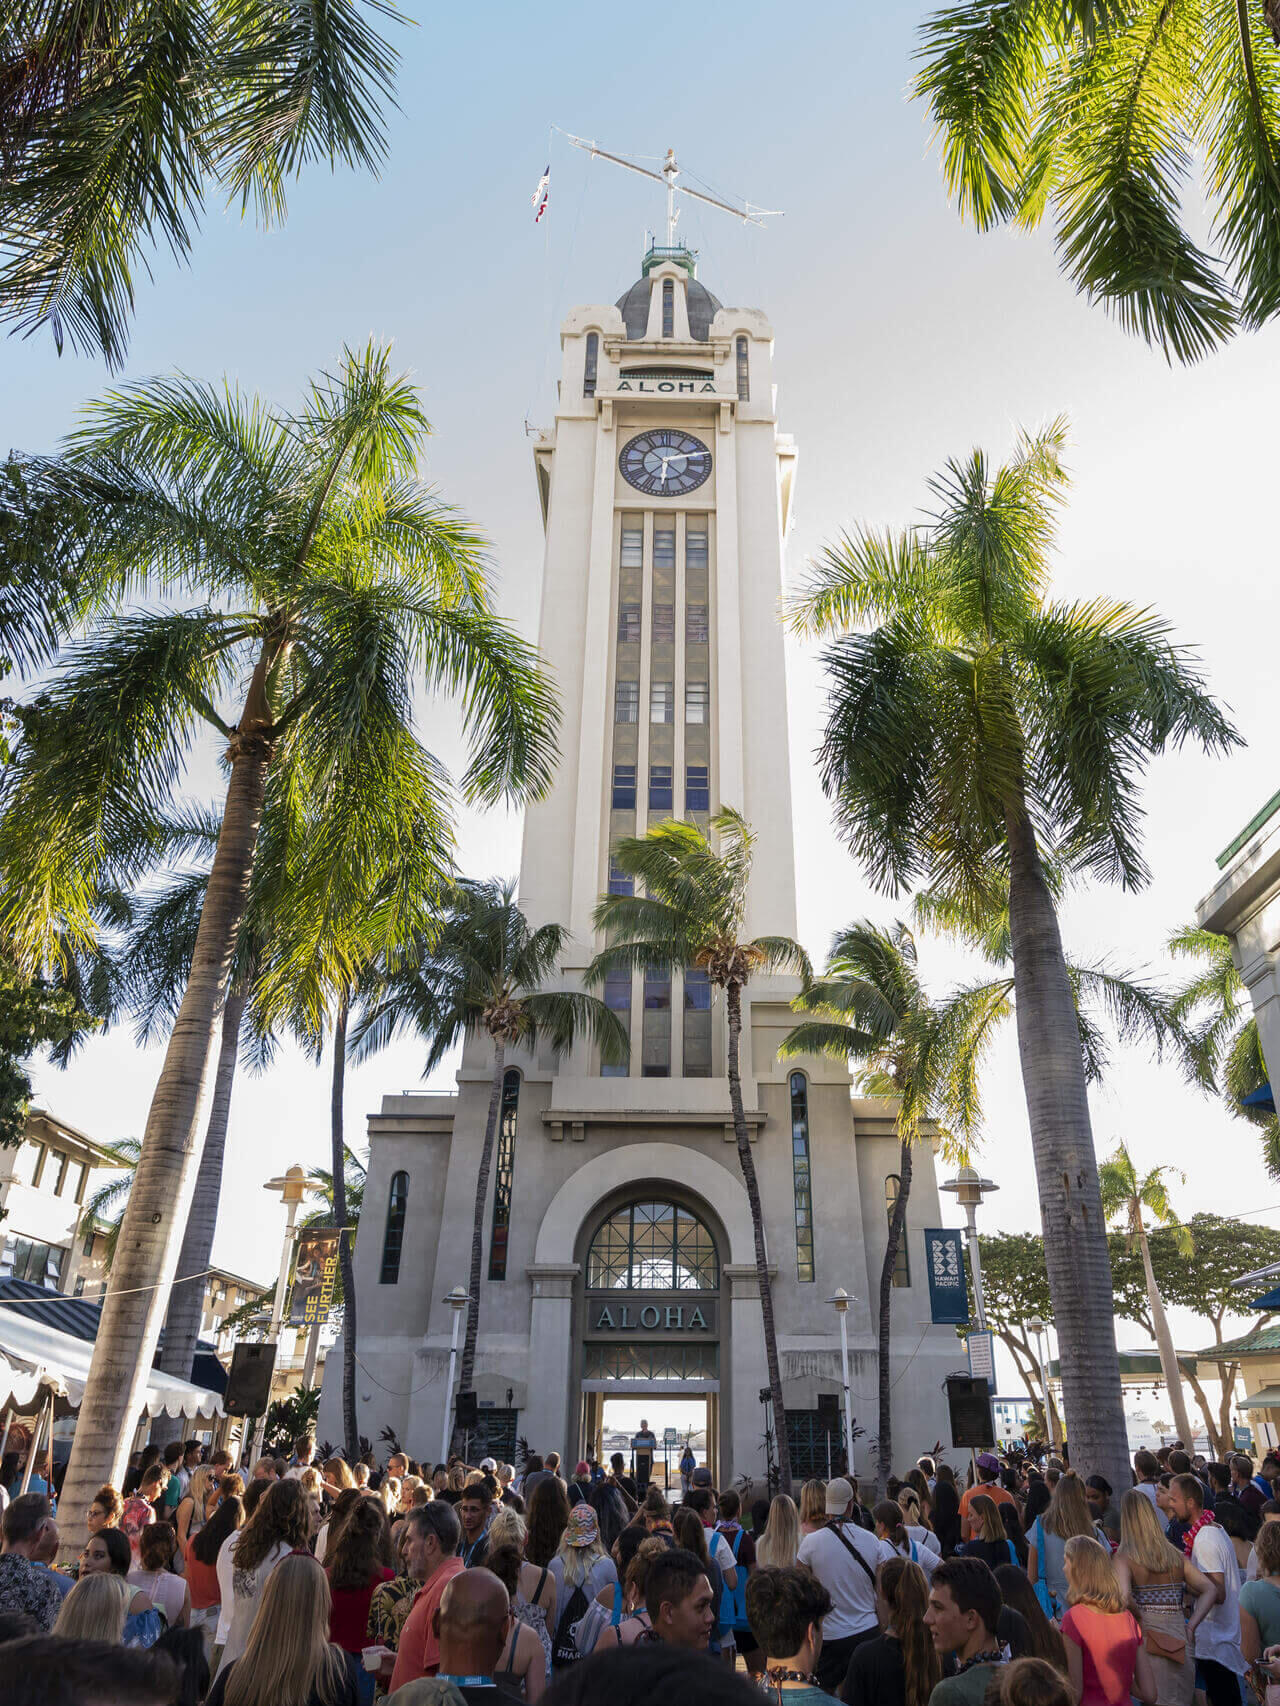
[948,1280]
[315,1276]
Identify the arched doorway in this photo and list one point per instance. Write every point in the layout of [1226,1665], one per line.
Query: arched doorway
[651,1318]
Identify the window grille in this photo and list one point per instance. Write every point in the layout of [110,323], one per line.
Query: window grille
[626,705]
[590,365]
[801,1176]
[504,1172]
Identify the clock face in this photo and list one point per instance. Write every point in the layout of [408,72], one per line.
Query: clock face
[664,463]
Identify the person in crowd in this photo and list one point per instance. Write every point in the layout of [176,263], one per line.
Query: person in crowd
[1036,1504]
[337,1476]
[139,1463]
[265,1470]
[692,1536]
[1068,1515]
[610,1507]
[1270,1512]
[109,1554]
[786,1607]
[356,1565]
[389,1494]
[548,1518]
[523,1667]
[434,1536]
[26,1582]
[197,1504]
[1041,1640]
[140,1510]
[813,1507]
[1235,1523]
[95,1609]
[677,1596]
[50,1670]
[506,1491]
[918,1482]
[1011,1519]
[280,1524]
[186,1648]
[202,1567]
[1146,1475]
[1260,1599]
[915,1515]
[654,1672]
[473,1619]
[844,1558]
[985,1535]
[104,1511]
[288,1659]
[947,1523]
[1244,1489]
[987,1485]
[736,1635]
[173,1458]
[899,1666]
[1102,1508]
[580,1569]
[343,1506]
[892,1529]
[780,1541]
[618,1475]
[169,1593]
[688,1463]
[1219,1660]
[964,1609]
[533,1600]
[392,1601]
[703,1501]
[628,1612]
[654,1514]
[1106,1660]
[1033,1682]
[473,1510]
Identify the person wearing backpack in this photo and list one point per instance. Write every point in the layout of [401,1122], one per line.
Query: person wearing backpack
[844,1557]
[581,1568]
[733,1607]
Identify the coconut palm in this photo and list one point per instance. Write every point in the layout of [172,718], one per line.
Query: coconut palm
[692,913]
[104,1206]
[1097,115]
[325,583]
[116,122]
[1225,1044]
[483,974]
[974,729]
[1128,1198]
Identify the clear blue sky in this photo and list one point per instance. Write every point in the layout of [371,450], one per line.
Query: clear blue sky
[902,338]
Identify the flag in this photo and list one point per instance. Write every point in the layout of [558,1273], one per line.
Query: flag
[541,193]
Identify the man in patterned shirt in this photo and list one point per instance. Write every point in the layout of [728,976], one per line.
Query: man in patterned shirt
[25,1585]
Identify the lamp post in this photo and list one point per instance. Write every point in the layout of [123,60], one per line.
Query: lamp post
[291,1187]
[1039,1328]
[840,1303]
[968,1187]
[457,1300]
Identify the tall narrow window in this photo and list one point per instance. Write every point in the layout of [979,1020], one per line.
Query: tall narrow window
[668,308]
[662,701]
[656,1025]
[393,1237]
[504,1170]
[697,1023]
[619,881]
[632,553]
[695,543]
[902,1262]
[664,547]
[697,701]
[628,624]
[744,372]
[660,787]
[617,997]
[590,365]
[626,702]
[695,625]
[697,788]
[801,1176]
[664,624]
[624,787]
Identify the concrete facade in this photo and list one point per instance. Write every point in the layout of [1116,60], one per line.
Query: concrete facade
[1244,904]
[660,622]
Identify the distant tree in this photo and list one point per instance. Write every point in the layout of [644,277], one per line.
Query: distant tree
[1015,1289]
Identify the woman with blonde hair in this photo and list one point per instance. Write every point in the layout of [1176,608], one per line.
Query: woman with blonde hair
[1068,1515]
[580,1569]
[813,1507]
[534,1600]
[337,1476]
[389,1493]
[95,1609]
[1106,1663]
[288,1659]
[1154,1576]
[778,1545]
[196,1505]
[985,1535]
[916,1518]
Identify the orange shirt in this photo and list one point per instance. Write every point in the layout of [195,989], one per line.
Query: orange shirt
[202,1579]
[419,1650]
[989,1489]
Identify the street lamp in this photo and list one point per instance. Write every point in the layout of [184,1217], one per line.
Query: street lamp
[1040,1329]
[840,1303]
[968,1187]
[457,1300]
[291,1187]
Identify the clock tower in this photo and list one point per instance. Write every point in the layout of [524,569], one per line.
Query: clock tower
[618,1258]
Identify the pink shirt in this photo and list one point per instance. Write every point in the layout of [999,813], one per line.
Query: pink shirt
[1108,1643]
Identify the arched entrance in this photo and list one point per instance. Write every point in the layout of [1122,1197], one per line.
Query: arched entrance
[650,1318]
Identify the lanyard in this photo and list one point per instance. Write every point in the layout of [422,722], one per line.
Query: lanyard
[468,1681]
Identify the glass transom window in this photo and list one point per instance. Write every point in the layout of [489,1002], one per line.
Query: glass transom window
[653,1246]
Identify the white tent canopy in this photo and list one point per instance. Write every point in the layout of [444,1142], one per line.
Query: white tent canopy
[34,1355]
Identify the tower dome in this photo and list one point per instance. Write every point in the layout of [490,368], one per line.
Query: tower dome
[702,305]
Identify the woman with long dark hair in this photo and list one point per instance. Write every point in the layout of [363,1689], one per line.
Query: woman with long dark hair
[946,1515]
[280,1524]
[1044,1641]
[900,1667]
[202,1568]
[355,1565]
[548,1518]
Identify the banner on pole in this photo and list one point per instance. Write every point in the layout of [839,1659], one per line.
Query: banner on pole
[982,1358]
[315,1276]
[948,1283]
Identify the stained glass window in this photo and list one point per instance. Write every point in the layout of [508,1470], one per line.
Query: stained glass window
[653,1246]
[503,1175]
[651,1362]
[668,308]
[393,1237]
[801,1176]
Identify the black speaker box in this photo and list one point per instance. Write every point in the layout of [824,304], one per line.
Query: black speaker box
[249,1383]
[829,1407]
[468,1412]
[970,1405]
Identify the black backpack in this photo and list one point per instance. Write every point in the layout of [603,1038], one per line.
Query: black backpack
[564,1650]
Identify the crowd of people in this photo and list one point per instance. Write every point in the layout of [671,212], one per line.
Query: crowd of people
[309,1583]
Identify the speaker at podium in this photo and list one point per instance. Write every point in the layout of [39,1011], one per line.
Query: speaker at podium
[643,1447]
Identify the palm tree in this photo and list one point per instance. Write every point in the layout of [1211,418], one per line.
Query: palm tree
[482,973]
[1093,112]
[331,581]
[691,914]
[1128,1198]
[1225,1040]
[975,728]
[115,123]
[104,1206]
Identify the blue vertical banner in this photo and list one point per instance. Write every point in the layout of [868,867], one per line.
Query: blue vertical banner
[948,1277]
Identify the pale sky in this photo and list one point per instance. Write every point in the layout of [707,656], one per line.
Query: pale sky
[902,338]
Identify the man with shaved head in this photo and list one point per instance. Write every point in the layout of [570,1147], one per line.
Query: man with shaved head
[471,1625]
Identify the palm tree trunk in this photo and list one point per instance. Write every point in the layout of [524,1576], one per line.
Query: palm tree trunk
[897,1220]
[1218,1436]
[350,1430]
[1075,1234]
[1164,1342]
[186,1300]
[150,1233]
[467,1373]
[733,995]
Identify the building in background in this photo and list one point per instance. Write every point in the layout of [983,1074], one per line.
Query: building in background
[1244,905]
[44,1182]
[618,1248]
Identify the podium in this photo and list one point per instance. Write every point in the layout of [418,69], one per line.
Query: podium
[643,1447]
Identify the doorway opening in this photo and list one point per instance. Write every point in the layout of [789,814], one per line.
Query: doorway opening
[687,1418]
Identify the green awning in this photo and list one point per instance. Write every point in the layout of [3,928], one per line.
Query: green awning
[1267,1399]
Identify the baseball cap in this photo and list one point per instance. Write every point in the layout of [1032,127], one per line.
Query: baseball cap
[582,1529]
[987,1461]
[701,1476]
[489,1464]
[839,1493]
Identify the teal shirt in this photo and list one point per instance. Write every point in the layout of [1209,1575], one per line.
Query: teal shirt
[1262,1601]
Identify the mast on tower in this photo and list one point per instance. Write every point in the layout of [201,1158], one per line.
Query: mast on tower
[668,177]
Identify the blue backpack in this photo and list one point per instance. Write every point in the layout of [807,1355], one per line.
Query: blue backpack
[733,1601]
